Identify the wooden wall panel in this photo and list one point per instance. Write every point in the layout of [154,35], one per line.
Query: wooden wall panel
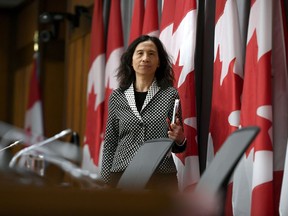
[52,97]
[16,50]
[27,24]
[63,73]
[85,23]
[20,64]
[20,99]
[53,74]
[5,23]
[78,50]
[78,67]
[70,68]
[77,84]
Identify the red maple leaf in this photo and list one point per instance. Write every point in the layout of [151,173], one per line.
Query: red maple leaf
[188,104]
[257,92]
[220,5]
[225,100]
[94,126]
[182,8]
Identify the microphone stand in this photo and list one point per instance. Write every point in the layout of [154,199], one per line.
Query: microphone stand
[11,145]
[37,145]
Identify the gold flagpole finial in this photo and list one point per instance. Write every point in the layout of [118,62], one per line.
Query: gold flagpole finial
[35,39]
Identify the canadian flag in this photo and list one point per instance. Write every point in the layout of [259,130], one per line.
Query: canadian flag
[280,107]
[227,81]
[137,20]
[33,124]
[228,76]
[179,38]
[114,50]
[253,178]
[151,24]
[102,78]
[166,27]
[95,94]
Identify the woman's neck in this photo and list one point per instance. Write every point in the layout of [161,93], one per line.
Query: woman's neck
[142,85]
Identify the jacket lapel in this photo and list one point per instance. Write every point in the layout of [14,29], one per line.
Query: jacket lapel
[151,92]
[129,94]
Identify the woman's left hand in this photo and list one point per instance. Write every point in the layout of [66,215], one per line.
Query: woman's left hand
[176,131]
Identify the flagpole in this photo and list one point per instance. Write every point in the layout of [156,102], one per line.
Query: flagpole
[33,116]
[36,51]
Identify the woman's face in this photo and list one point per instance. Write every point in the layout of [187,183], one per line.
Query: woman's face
[145,59]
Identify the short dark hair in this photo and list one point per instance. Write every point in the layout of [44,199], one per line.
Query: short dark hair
[164,73]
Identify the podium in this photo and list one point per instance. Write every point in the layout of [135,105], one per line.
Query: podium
[217,174]
[144,163]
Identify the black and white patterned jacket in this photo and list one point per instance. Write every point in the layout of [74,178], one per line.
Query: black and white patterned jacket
[127,129]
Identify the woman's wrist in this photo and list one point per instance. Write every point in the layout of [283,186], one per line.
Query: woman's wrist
[182,143]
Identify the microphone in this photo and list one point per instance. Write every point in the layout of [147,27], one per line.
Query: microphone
[75,139]
[11,145]
[37,145]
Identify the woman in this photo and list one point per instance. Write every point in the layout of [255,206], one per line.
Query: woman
[140,110]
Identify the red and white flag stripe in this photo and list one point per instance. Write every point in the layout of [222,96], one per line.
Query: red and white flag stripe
[227,82]
[228,76]
[33,124]
[253,179]
[166,28]
[102,79]
[182,50]
[95,94]
[114,50]
[150,23]
[137,20]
